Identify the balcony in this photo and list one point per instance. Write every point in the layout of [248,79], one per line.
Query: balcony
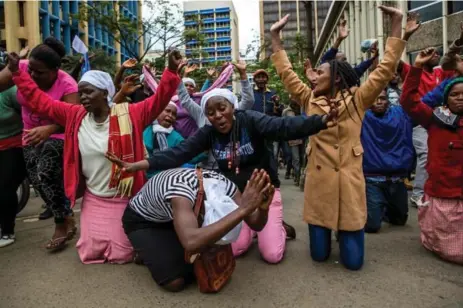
[190,13]
[227,19]
[222,10]
[206,12]
[190,23]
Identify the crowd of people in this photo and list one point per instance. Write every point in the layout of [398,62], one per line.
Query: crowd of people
[139,150]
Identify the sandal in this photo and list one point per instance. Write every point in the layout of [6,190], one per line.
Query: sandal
[290,231]
[57,243]
[71,228]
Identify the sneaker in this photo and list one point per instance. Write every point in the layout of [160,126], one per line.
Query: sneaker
[6,240]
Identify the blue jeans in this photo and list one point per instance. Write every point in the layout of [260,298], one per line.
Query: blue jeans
[351,246]
[386,199]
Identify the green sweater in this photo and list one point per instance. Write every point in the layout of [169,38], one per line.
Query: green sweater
[11,123]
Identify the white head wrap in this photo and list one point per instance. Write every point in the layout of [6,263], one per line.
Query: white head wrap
[225,93]
[101,80]
[190,80]
[171,103]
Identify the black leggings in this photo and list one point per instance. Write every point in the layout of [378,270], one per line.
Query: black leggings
[12,173]
[44,165]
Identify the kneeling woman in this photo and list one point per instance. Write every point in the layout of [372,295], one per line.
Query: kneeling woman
[161,224]
[441,216]
[236,138]
[92,129]
[162,135]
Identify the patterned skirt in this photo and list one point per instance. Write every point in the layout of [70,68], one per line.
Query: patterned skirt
[441,223]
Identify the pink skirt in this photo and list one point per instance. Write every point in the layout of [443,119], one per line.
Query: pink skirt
[441,223]
[102,238]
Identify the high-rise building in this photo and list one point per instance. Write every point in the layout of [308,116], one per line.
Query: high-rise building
[300,11]
[27,23]
[440,26]
[218,21]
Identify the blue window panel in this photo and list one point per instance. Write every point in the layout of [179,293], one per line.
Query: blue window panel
[222,19]
[222,9]
[208,21]
[223,48]
[189,13]
[223,39]
[209,49]
[223,29]
[209,11]
[190,23]
[192,42]
[208,31]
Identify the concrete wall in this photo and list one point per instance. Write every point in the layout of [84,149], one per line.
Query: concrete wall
[430,34]
[453,26]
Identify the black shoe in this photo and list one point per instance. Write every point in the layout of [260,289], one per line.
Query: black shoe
[287,176]
[290,231]
[46,214]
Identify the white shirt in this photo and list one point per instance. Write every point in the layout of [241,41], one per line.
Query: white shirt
[93,144]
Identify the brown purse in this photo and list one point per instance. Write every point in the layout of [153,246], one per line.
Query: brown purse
[214,266]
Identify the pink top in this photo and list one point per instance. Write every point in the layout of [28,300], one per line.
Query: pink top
[63,85]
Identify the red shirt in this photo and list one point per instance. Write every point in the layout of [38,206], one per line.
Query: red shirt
[445,145]
[70,117]
[428,80]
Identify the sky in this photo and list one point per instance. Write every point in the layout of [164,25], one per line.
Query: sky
[248,18]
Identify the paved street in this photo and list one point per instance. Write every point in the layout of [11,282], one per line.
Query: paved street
[398,272]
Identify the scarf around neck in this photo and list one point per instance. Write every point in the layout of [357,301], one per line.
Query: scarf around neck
[446,118]
[160,134]
[121,144]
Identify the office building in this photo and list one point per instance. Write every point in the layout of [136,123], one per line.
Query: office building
[300,11]
[27,23]
[218,21]
[440,26]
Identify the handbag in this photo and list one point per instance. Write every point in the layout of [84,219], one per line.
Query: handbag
[214,265]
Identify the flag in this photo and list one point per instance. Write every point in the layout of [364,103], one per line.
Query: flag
[80,47]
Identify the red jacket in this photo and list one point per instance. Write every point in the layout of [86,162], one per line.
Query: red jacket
[445,146]
[70,117]
[428,80]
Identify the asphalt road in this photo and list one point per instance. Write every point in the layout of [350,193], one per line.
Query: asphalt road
[398,272]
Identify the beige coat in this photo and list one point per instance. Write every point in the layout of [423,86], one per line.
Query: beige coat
[334,184]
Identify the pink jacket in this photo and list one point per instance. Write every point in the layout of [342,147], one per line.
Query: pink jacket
[70,117]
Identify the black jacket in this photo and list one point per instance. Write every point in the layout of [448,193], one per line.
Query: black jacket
[254,128]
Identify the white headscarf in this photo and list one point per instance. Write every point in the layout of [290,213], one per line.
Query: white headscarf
[190,80]
[225,93]
[101,80]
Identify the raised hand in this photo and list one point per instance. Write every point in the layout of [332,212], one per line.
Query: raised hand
[13,62]
[241,67]
[424,56]
[279,25]
[343,29]
[130,63]
[211,72]
[391,11]
[175,59]
[189,69]
[267,197]
[309,72]
[130,84]
[396,16]
[413,24]
[24,52]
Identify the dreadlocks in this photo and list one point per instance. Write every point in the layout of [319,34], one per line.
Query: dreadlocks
[348,77]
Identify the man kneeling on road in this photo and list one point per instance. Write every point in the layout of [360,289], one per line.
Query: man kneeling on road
[388,158]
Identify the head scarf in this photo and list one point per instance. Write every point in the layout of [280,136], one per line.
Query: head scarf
[102,81]
[449,86]
[189,80]
[225,93]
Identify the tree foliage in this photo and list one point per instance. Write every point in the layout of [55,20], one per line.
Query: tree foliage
[160,27]
[101,61]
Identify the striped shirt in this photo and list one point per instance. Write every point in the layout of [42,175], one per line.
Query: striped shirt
[153,201]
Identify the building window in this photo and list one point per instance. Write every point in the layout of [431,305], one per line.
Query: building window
[21,13]
[428,10]
[455,6]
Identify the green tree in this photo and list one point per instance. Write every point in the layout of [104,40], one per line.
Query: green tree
[100,61]
[160,27]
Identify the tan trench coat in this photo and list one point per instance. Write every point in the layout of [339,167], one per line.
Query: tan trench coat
[334,193]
